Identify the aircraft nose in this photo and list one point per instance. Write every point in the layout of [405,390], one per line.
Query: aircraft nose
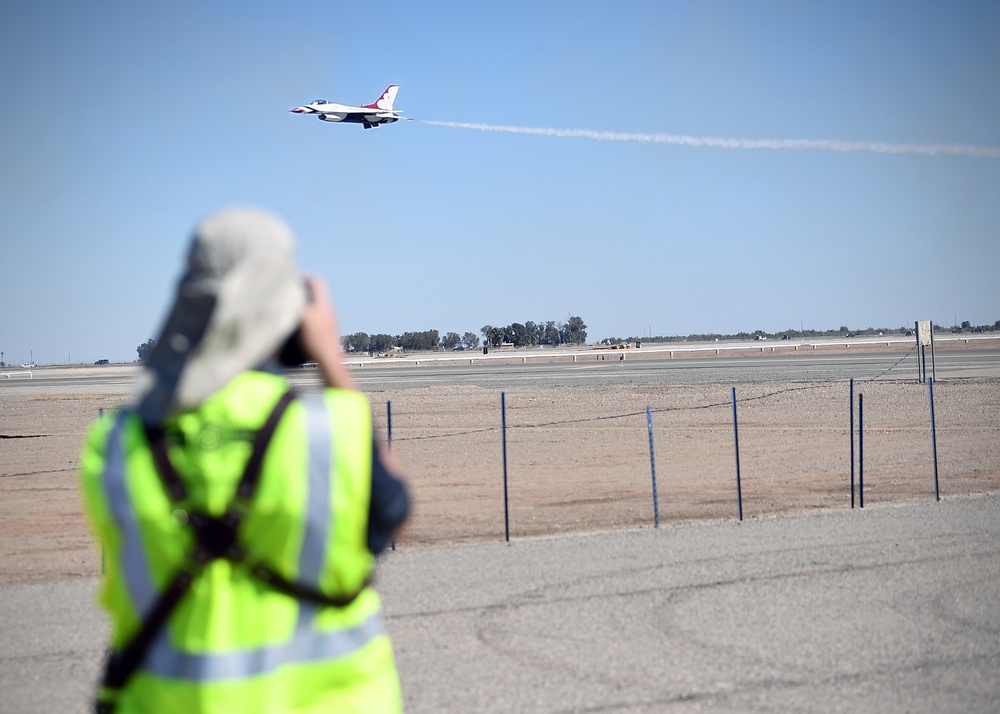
[297,110]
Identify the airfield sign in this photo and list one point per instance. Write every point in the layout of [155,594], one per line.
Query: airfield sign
[925,336]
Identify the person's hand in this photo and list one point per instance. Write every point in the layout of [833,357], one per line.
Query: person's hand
[320,335]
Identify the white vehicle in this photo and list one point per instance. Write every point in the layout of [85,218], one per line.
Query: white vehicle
[370,115]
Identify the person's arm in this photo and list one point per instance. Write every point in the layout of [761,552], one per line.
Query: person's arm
[320,335]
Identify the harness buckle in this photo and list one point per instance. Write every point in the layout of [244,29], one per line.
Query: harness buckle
[215,537]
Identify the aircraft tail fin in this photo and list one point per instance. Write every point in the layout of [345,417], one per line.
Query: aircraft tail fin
[386,100]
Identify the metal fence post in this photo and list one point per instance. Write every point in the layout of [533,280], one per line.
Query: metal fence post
[503,428]
[937,490]
[652,466]
[736,438]
[851,433]
[388,416]
[861,450]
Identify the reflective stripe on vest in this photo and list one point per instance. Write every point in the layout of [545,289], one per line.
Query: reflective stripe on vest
[320,466]
[306,644]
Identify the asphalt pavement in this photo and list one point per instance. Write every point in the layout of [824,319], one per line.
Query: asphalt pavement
[885,609]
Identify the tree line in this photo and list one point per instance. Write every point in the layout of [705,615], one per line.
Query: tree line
[409,341]
[529,334]
[516,334]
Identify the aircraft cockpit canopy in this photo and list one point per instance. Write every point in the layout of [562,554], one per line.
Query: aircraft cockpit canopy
[321,101]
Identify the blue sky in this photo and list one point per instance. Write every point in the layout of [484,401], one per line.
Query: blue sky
[122,123]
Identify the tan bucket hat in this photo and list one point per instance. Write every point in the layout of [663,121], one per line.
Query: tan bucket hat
[237,302]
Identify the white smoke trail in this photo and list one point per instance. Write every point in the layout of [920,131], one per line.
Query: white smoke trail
[875,147]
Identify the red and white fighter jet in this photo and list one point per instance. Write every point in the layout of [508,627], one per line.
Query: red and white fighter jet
[370,115]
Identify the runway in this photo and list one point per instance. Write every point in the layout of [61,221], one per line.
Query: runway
[589,370]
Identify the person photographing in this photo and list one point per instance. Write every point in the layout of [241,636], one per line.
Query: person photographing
[240,519]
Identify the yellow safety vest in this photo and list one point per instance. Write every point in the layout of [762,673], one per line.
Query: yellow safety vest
[233,644]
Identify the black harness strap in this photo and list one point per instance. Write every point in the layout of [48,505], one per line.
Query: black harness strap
[267,575]
[251,472]
[214,538]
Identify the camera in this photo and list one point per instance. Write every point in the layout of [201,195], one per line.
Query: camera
[292,354]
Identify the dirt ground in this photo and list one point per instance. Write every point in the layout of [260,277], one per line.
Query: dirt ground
[577,461]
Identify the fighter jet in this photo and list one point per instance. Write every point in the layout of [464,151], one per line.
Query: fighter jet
[370,115]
